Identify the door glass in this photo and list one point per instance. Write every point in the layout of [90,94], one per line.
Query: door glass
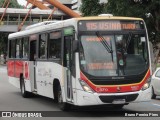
[67,52]
[33,42]
[54,50]
[33,50]
[67,63]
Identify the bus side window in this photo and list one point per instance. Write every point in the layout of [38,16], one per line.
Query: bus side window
[25,45]
[42,46]
[18,48]
[54,49]
[12,50]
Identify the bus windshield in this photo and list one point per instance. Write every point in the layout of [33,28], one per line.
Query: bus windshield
[128,54]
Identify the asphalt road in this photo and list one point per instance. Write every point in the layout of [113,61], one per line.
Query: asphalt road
[11,100]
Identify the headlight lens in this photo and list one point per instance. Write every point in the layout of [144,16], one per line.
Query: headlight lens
[147,84]
[85,86]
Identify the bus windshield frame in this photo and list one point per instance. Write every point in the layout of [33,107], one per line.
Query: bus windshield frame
[119,63]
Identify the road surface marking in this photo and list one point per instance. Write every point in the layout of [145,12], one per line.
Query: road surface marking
[156,105]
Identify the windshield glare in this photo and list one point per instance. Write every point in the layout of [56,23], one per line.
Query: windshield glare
[128,57]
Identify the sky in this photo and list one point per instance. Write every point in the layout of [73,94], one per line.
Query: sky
[22,2]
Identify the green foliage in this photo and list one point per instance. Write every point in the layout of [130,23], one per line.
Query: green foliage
[139,9]
[13,4]
[125,8]
[3,43]
[91,7]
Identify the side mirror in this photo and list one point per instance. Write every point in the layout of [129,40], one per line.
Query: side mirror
[75,46]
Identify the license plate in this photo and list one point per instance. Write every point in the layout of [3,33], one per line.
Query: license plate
[119,101]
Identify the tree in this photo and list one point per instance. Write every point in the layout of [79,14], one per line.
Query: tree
[3,43]
[91,7]
[4,36]
[149,10]
[154,9]
[13,4]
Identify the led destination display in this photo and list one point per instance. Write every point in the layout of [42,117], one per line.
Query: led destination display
[110,25]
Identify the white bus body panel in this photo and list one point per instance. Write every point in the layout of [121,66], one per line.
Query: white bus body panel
[85,98]
[28,85]
[14,81]
[46,72]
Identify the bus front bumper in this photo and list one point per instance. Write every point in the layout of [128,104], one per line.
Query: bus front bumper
[84,98]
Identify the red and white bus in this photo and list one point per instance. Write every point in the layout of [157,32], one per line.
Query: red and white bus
[83,61]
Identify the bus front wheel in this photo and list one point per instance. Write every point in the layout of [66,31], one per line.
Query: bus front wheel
[63,105]
[120,106]
[153,94]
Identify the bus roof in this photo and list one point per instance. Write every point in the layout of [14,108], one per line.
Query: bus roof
[108,17]
[59,24]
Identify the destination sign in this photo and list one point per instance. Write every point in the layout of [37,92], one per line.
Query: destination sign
[99,66]
[110,25]
[96,39]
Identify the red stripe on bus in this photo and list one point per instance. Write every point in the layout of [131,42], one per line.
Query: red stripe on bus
[10,66]
[17,67]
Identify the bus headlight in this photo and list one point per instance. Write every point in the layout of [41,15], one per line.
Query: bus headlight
[85,86]
[147,84]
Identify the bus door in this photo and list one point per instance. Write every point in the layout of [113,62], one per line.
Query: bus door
[68,65]
[32,64]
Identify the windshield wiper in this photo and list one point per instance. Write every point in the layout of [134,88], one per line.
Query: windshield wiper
[104,43]
[128,41]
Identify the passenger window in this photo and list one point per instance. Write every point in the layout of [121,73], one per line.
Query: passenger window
[18,48]
[25,45]
[54,49]
[42,46]
[12,49]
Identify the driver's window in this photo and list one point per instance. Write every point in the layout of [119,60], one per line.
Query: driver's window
[158,74]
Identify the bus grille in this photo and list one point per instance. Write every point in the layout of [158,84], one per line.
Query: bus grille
[110,99]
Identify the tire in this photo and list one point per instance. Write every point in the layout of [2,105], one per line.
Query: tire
[120,106]
[62,105]
[153,94]
[55,91]
[24,93]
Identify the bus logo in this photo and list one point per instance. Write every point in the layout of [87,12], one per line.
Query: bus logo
[118,89]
